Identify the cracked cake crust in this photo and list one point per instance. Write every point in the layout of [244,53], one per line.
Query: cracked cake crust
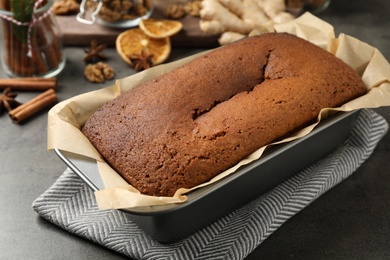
[188,125]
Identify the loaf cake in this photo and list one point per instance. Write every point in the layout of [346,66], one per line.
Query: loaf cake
[184,127]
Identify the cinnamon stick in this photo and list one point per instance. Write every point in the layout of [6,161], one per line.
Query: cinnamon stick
[7,43]
[14,52]
[33,106]
[28,84]
[25,68]
[4,4]
[50,51]
[45,44]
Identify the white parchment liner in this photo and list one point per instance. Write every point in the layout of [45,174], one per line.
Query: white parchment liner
[66,118]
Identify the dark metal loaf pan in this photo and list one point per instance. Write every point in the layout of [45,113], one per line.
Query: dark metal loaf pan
[174,222]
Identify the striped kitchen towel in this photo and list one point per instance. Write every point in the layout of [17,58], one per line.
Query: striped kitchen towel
[70,204]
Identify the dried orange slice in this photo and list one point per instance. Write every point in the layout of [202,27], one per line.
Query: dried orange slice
[160,28]
[135,42]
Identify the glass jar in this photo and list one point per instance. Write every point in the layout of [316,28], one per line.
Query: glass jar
[115,14]
[316,6]
[297,7]
[31,48]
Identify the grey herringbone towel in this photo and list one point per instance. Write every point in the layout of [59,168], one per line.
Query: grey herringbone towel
[70,204]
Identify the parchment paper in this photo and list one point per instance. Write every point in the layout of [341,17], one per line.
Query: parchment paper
[66,118]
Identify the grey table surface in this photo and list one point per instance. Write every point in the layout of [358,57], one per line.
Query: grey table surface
[351,221]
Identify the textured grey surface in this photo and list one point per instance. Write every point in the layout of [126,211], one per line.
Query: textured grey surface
[351,221]
[70,204]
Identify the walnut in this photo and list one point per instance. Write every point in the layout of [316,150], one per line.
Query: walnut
[115,5]
[93,74]
[193,8]
[128,16]
[108,71]
[175,11]
[141,10]
[127,5]
[116,10]
[119,6]
[66,7]
[109,15]
[99,72]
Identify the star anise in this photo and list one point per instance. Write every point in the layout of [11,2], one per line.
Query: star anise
[141,61]
[94,53]
[7,100]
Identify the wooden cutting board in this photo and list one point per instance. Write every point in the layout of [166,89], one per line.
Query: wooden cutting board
[75,33]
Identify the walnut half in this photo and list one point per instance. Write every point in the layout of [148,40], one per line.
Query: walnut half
[66,7]
[99,72]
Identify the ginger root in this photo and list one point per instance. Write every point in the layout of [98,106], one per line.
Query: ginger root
[179,10]
[66,7]
[234,19]
[217,18]
[228,37]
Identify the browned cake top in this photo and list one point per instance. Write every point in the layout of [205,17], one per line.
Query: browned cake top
[186,126]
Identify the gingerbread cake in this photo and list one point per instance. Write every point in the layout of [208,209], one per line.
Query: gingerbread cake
[186,126]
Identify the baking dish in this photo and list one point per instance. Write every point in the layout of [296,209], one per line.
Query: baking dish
[173,222]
